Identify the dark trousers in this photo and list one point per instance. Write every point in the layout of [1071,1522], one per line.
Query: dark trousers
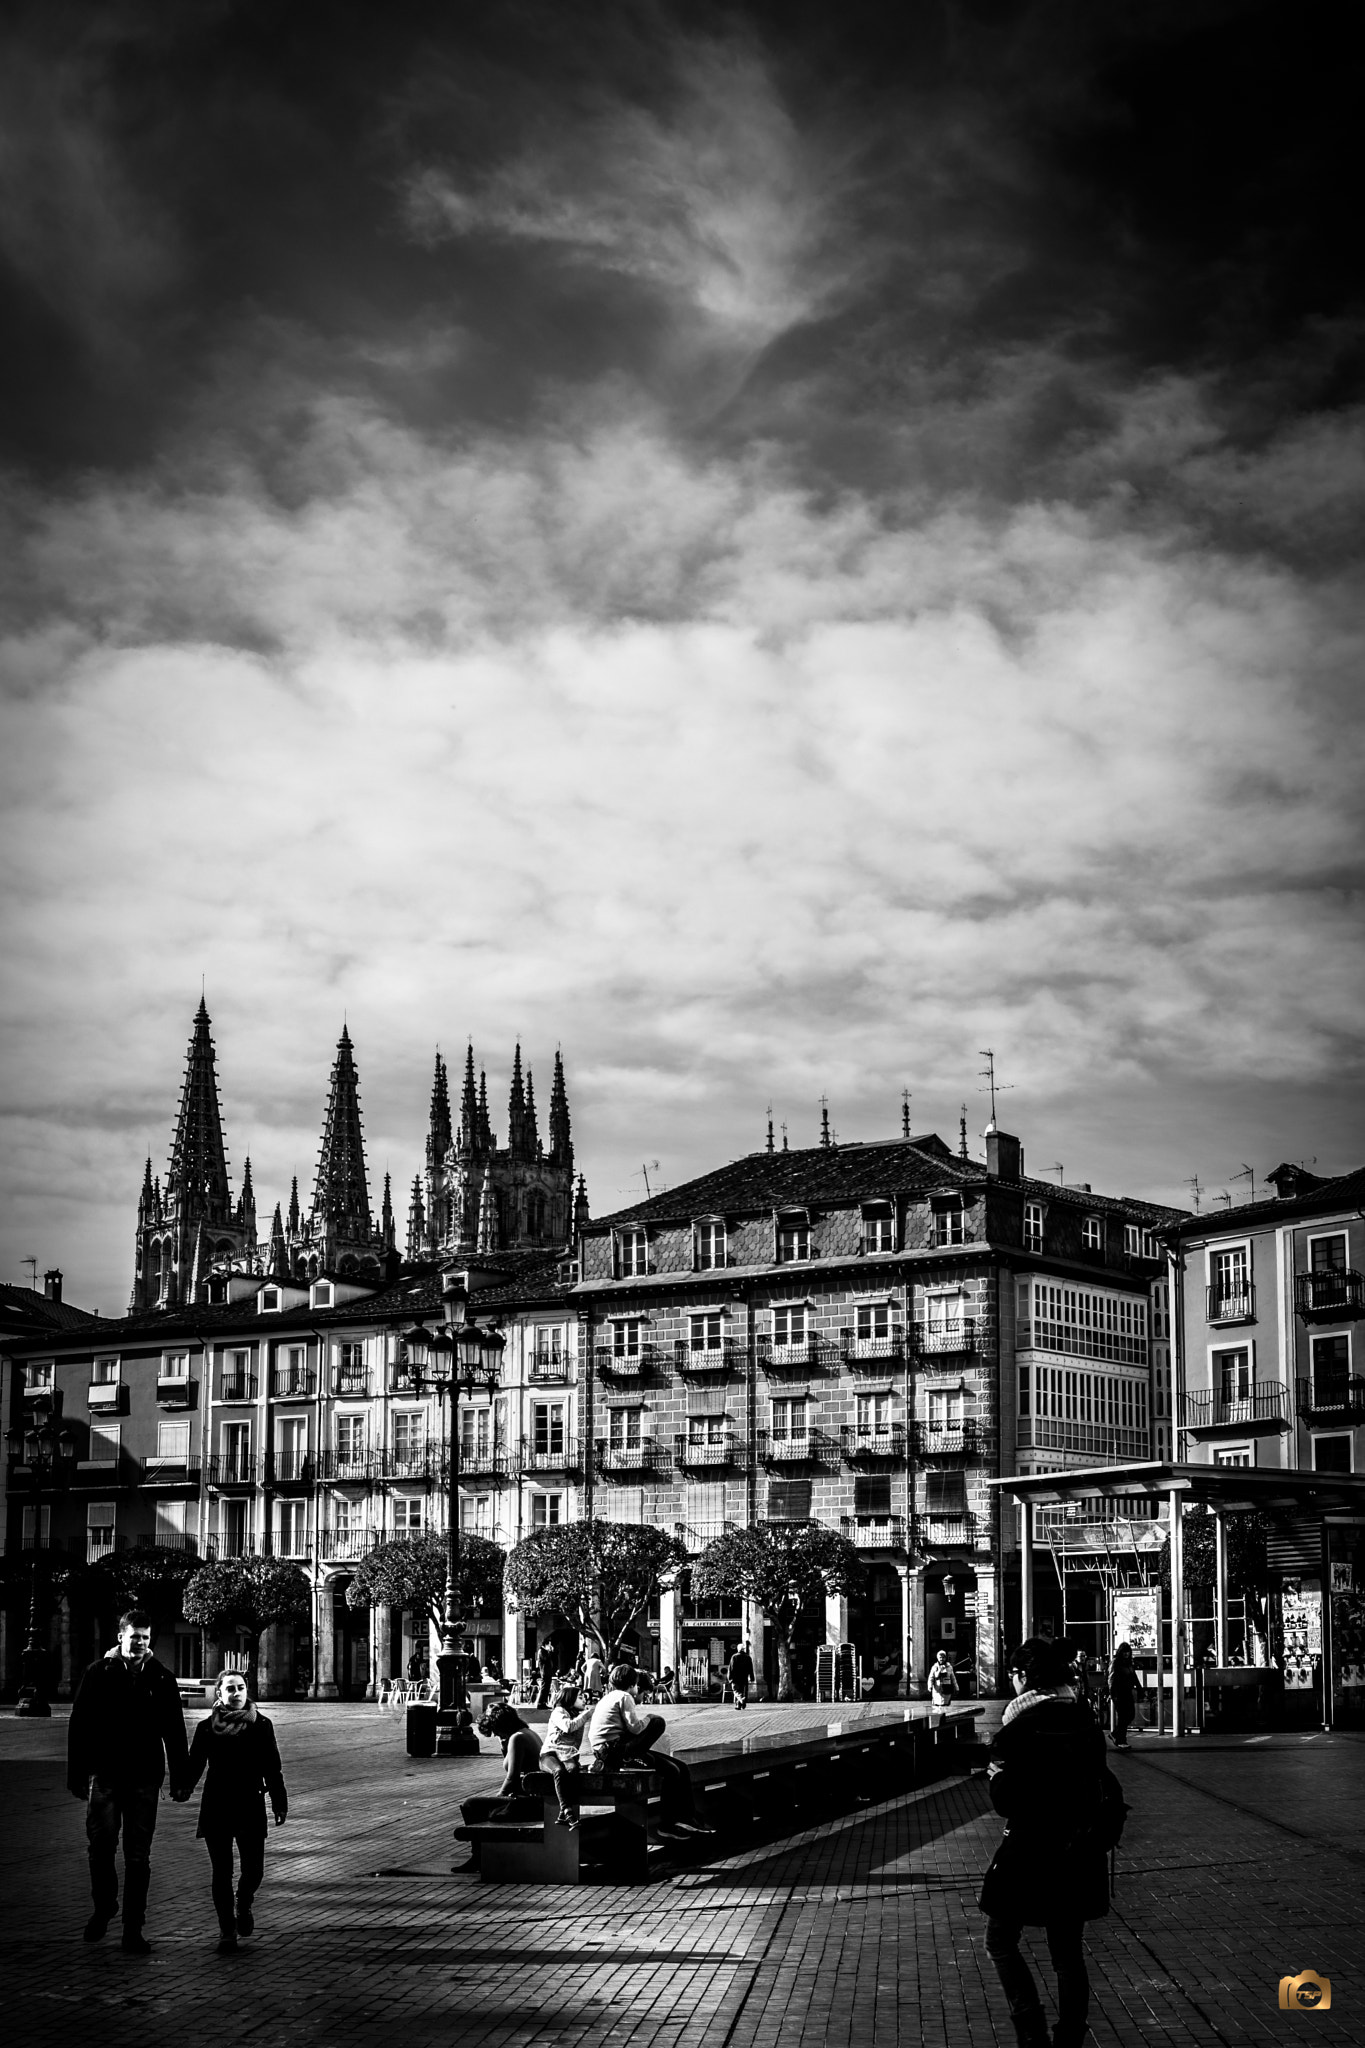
[251,1850]
[1066,1946]
[740,1689]
[675,1790]
[564,1771]
[132,1809]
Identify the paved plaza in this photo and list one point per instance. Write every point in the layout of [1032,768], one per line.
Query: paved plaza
[1243,1861]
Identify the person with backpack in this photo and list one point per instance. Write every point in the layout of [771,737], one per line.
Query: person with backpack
[1063,1811]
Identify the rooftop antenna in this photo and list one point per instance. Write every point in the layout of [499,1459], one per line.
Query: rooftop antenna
[1060,1172]
[1223,1196]
[770,1128]
[988,1075]
[784,1137]
[1193,1185]
[824,1120]
[649,1192]
[1247,1173]
[32,1265]
[905,1112]
[962,1133]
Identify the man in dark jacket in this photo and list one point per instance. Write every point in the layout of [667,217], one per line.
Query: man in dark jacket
[741,1676]
[126,1727]
[1063,1811]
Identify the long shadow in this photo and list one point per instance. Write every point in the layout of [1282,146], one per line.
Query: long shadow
[868,1839]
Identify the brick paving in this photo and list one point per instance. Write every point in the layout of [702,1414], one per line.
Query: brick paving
[1243,1861]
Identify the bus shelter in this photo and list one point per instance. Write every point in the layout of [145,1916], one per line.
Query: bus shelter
[1322,1515]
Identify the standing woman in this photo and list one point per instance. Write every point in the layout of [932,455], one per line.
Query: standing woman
[1123,1693]
[236,1745]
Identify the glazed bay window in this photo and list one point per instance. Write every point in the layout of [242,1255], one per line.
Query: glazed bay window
[879,1227]
[793,1239]
[708,1246]
[1033,1226]
[632,1254]
[706,1332]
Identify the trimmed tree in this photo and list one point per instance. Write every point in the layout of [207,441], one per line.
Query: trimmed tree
[597,1574]
[412,1576]
[783,1567]
[153,1576]
[248,1594]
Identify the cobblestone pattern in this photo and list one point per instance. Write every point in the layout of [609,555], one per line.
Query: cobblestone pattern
[1240,1865]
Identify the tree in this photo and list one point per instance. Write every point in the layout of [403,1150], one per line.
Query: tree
[598,1574]
[153,1576]
[783,1566]
[1247,1567]
[246,1593]
[412,1576]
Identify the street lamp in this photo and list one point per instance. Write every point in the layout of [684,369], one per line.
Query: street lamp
[48,1448]
[458,1358]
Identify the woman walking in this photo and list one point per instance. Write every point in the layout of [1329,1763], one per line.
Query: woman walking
[236,1745]
[1123,1693]
[942,1683]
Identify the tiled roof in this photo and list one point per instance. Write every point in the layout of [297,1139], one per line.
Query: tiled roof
[1340,1191]
[1085,1199]
[25,1312]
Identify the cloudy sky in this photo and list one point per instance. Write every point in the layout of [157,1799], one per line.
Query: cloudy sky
[770,546]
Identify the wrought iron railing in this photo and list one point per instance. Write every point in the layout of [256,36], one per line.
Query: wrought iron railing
[1266,1401]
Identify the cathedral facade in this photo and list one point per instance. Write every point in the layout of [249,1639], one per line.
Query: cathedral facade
[479,1196]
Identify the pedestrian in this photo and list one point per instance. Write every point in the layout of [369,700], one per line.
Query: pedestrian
[126,1730]
[1123,1693]
[559,1753]
[1063,1812]
[547,1664]
[594,1674]
[236,1745]
[942,1683]
[741,1672]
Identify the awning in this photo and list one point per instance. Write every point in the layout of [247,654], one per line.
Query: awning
[1230,1488]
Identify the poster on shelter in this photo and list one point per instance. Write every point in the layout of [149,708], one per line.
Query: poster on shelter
[1137,1617]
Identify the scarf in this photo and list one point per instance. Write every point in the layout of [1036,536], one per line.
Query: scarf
[226,1721]
[1024,1700]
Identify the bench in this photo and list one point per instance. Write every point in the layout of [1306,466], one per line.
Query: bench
[522,1842]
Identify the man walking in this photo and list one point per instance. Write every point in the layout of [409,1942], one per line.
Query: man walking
[741,1674]
[126,1727]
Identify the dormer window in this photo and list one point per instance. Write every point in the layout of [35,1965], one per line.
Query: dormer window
[270,1300]
[879,1227]
[950,1222]
[218,1290]
[1033,1226]
[1092,1234]
[708,1246]
[322,1294]
[793,1238]
[632,1254]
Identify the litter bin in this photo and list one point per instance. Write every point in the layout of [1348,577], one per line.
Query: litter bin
[422,1728]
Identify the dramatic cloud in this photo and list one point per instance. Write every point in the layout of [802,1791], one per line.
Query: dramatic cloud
[754,554]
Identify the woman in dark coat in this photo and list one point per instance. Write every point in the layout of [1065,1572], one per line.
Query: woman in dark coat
[1063,1811]
[1123,1693]
[236,1745]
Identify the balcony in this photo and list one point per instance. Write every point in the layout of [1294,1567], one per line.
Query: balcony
[864,1444]
[170,1539]
[1331,1398]
[1107,1441]
[353,1468]
[710,1454]
[481,1461]
[348,1381]
[290,1471]
[954,1338]
[696,1535]
[625,1365]
[646,1456]
[340,1546]
[548,1369]
[1336,1295]
[874,1532]
[565,1455]
[701,1361]
[872,1351]
[812,1354]
[949,1526]
[98,1473]
[237,1386]
[293,1383]
[1224,1305]
[1261,1410]
[40,1540]
[175,1392]
[233,1471]
[168,1473]
[800,1447]
[107,1397]
[948,1440]
[421,1467]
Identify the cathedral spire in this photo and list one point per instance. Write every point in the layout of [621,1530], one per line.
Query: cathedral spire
[438,1134]
[197,1178]
[279,1256]
[532,1127]
[469,1105]
[246,1207]
[488,1228]
[386,1229]
[341,1195]
[516,1110]
[417,1221]
[561,1141]
[294,1206]
[485,1126]
[146,1205]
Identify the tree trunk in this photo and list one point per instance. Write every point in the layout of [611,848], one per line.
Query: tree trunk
[786,1686]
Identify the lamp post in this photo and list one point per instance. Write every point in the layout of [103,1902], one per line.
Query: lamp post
[459,1358]
[48,1446]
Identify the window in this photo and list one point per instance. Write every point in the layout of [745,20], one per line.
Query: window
[476,1433]
[1231,1280]
[625,1427]
[547,1428]
[1332,1453]
[791,1417]
[872,1496]
[545,1510]
[879,1228]
[1132,1241]
[350,1358]
[1151,1245]
[173,1443]
[1331,1358]
[1232,1372]
[173,1522]
[293,1536]
[626,1339]
[1033,1226]
[175,1365]
[708,1240]
[707,1429]
[37,1530]
[950,1223]
[407,1514]
[873,1322]
[874,1414]
[99,1529]
[104,1443]
[1233,1454]
[291,1370]
[946,1493]
[409,1436]
[270,1299]
[352,1439]
[322,1294]
[1092,1234]
[236,1443]
[1328,1254]
[548,1348]
[945,1408]
[632,1253]
[789,1327]
[789,1500]
[793,1239]
[706,1332]
[476,1513]
[235,1528]
[188,1648]
[291,1447]
[38,1378]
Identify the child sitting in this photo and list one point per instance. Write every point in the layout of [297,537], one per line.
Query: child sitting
[560,1752]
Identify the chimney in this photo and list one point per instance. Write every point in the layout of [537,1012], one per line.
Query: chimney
[52,1283]
[1004,1155]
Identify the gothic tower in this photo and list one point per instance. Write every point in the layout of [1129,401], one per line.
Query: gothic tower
[195,1207]
[340,1232]
[482,1197]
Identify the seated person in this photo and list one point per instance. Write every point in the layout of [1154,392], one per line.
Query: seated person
[521,1753]
[617,1733]
[560,1753]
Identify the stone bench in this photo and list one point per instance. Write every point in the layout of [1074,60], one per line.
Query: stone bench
[616,1839]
